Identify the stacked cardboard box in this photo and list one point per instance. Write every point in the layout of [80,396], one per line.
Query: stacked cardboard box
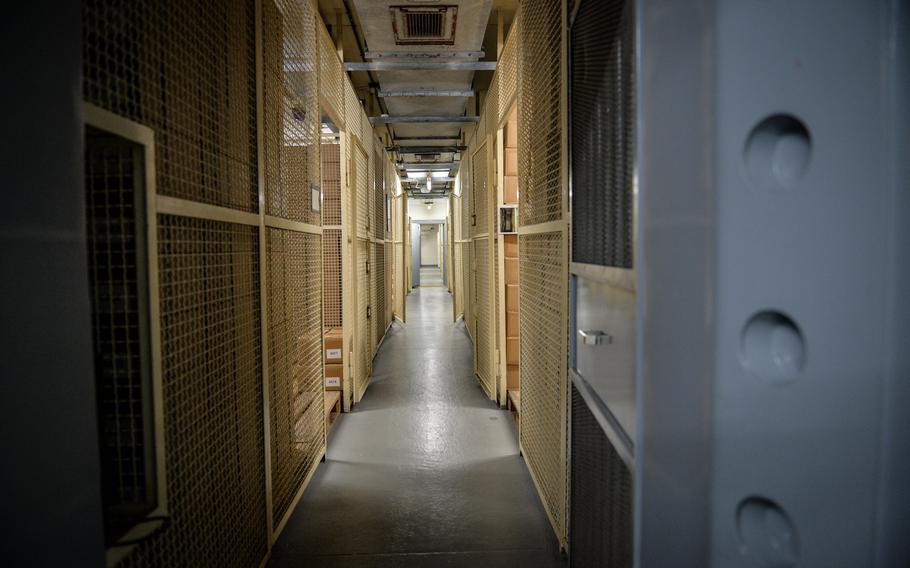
[334,370]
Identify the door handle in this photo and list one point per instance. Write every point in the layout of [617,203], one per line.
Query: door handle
[595,337]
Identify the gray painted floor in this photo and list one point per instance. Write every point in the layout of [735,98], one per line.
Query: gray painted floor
[425,471]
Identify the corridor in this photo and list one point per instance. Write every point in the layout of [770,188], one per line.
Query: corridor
[430,276]
[425,471]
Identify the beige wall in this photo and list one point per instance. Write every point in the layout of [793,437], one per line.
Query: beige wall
[417,209]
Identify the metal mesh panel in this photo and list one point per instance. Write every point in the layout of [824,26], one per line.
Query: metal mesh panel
[115,220]
[212,375]
[389,252]
[483,313]
[295,360]
[360,178]
[458,269]
[479,191]
[330,157]
[352,110]
[291,108]
[543,365]
[603,130]
[469,298]
[491,107]
[600,523]
[379,291]
[496,319]
[375,315]
[507,69]
[189,73]
[378,189]
[332,292]
[539,170]
[331,75]
[364,347]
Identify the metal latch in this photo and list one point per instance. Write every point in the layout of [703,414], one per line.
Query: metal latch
[594,337]
[368,267]
[369,312]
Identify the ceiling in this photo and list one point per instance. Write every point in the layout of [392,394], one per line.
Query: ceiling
[367,28]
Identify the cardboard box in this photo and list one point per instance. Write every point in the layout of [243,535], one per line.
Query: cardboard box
[334,377]
[511,265]
[512,351]
[334,342]
[511,246]
[510,190]
[512,324]
[511,159]
[512,297]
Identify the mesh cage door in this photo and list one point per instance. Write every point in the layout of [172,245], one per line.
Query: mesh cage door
[600,520]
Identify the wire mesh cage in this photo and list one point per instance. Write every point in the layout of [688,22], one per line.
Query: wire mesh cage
[600,525]
[202,107]
[331,77]
[603,126]
[212,372]
[543,353]
[539,124]
[507,69]
[483,314]
[296,425]
[291,109]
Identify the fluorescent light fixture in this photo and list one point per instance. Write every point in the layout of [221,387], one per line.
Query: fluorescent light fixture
[440,174]
[429,184]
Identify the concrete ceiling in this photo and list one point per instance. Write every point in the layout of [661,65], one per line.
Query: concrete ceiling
[372,29]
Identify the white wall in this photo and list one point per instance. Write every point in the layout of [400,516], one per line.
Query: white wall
[417,209]
[429,245]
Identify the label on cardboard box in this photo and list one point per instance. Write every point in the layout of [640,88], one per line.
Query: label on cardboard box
[333,381]
[333,353]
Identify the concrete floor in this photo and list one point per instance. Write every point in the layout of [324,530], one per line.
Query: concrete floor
[431,276]
[425,471]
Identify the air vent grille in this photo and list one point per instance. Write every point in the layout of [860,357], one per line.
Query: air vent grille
[425,25]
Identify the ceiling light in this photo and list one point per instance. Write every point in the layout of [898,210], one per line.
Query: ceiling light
[440,174]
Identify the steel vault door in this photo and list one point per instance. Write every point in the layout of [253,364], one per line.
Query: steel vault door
[604,291]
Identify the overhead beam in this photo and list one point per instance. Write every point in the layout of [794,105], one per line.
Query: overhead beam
[390,119]
[421,66]
[397,138]
[427,93]
[445,179]
[425,149]
[424,54]
[436,166]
